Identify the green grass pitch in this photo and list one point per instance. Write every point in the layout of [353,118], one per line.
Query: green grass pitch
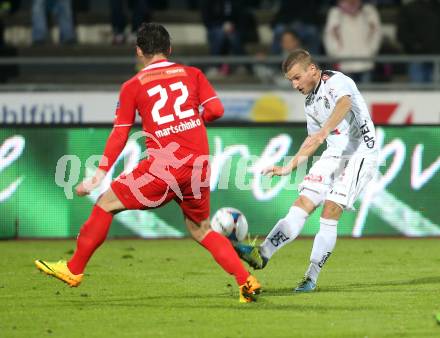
[172,288]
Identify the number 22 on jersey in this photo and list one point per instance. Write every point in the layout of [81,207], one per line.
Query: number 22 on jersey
[163,98]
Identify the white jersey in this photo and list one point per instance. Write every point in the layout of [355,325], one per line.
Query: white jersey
[355,133]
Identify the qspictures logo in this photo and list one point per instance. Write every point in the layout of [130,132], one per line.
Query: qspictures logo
[163,162]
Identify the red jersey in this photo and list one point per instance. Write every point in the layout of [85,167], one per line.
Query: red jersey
[167,97]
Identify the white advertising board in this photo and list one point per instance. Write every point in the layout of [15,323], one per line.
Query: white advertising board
[277,106]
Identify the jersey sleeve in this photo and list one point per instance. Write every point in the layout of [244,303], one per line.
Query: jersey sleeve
[126,107]
[206,91]
[124,119]
[338,86]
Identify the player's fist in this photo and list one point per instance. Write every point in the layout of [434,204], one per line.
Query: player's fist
[83,188]
[276,171]
[89,184]
[86,186]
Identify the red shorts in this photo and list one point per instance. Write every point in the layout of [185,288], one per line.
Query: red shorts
[140,189]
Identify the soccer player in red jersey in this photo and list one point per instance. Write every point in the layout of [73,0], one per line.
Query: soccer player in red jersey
[167,97]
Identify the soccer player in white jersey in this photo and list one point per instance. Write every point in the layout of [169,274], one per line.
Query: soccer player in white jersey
[336,113]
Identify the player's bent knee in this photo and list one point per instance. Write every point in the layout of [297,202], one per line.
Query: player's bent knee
[314,192]
[331,210]
[198,231]
[305,203]
[109,202]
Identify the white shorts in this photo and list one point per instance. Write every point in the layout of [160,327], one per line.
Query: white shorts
[337,179]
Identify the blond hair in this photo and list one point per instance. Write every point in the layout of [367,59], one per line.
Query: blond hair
[298,56]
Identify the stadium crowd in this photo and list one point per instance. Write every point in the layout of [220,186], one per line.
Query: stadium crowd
[336,28]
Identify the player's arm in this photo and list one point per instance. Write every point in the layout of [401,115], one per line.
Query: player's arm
[342,107]
[305,151]
[212,110]
[125,115]
[341,92]
[313,141]
[212,106]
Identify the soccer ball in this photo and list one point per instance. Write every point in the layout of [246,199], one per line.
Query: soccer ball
[231,223]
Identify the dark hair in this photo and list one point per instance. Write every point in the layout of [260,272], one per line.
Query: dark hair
[298,56]
[153,38]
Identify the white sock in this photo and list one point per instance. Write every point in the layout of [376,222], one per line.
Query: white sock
[285,231]
[325,241]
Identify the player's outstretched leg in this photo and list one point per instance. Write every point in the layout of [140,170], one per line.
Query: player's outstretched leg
[91,236]
[285,231]
[323,245]
[224,254]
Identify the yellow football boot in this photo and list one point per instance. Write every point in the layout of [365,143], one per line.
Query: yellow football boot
[59,270]
[249,290]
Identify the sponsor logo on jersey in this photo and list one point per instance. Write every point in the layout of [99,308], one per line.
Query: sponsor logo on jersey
[366,135]
[313,178]
[149,76]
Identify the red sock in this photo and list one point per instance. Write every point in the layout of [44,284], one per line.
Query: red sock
[224,254]
[91,236]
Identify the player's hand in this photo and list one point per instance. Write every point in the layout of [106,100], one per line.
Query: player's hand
[86,186]
[276,171]
[89,184]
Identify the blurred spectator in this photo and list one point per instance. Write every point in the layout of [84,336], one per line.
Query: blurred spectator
[289,41]
[221,18]
[303,18]
[229,24]
[7,7]
[353,29]
[418,31]
[62,10]
[140,11]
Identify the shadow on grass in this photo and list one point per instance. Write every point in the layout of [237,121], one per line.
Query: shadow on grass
[216,302]
[358,286]
[227,301]
[206,301]
[355,287]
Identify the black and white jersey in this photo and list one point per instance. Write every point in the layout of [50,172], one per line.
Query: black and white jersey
[355,133]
